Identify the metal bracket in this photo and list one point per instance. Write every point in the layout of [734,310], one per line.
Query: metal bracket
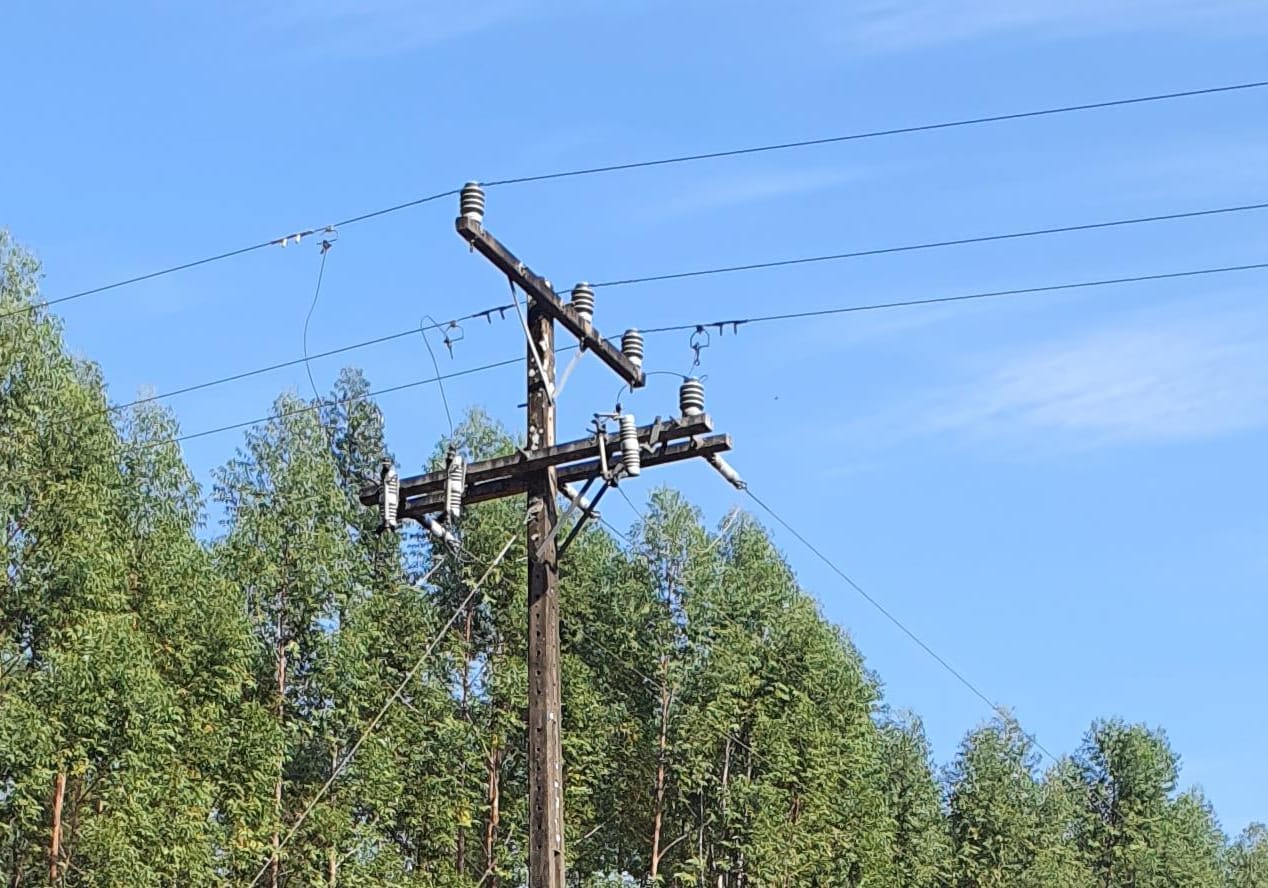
[573,505]
[601,436]
[654,437]
[586,514]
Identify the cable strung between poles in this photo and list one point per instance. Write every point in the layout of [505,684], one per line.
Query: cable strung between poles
[666,161]
[396,695]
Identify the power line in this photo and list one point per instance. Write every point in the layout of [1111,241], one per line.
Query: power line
[735,323]
[310,408]
[878,251]
[396,695]
[281,365]
[250,248]
[875,134]
[675,328]
[666,161]
[321,273]
[885,612]
[930,245]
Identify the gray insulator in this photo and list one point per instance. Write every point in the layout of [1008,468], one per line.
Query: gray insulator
[455,486]
[725,470]
[583,302]
[630,455]
[472,201]
[691,397]
[439,531]
[632,346]
[389,496]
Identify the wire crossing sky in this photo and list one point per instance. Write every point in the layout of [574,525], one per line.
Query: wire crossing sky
[1023,476]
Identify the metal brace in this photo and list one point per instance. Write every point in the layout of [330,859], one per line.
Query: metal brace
[586,514]
[573,505]
[532,346]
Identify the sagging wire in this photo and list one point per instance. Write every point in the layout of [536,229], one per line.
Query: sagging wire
[326,244]
[444,399]
[322,421]
[396,695]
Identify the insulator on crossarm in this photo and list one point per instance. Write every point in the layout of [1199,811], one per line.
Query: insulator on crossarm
[455,485]
[439,531]
[389,495]
[725,470]
[471,202]
[691,397]
[632,346]
[583,302]
[631,457]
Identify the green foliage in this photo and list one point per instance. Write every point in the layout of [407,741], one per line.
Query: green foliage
[124,655]
[183,703]
[1136,831]
[1247,858]
[920,849]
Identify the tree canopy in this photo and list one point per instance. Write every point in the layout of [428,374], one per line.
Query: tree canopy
[180,704]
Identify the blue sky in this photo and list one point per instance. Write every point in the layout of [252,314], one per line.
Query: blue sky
[1063,494]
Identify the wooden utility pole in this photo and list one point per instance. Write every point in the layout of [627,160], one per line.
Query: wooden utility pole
[539,471]
[545,709]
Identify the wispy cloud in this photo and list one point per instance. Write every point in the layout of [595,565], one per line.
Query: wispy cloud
[380,27]
[1151,380]
[712,194]
[887,25]
[1231,166]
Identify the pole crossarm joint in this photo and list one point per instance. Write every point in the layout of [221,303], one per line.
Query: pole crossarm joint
[571,473]
[547,300]
[524,462]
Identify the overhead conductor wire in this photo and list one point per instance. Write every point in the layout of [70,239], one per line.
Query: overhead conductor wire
[667,161]
[396,695]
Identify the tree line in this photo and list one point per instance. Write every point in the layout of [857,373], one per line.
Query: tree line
[174,696]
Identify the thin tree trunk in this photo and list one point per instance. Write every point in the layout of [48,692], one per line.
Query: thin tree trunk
[659,814]
[15,874]
[332,861]
[495,814]
[725,786]
[276,867]
[55,840]
[464,707]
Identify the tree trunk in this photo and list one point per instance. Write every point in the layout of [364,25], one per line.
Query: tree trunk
[55,840]
[659,812]
[464,707]
[332,861]
[276,866]
[722,805]
[495,815]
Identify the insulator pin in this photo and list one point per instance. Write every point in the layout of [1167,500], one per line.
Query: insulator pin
[632,346]
[389,495]
[583,302]
[691,397]
[631,456]
[455,485]
[471,202]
